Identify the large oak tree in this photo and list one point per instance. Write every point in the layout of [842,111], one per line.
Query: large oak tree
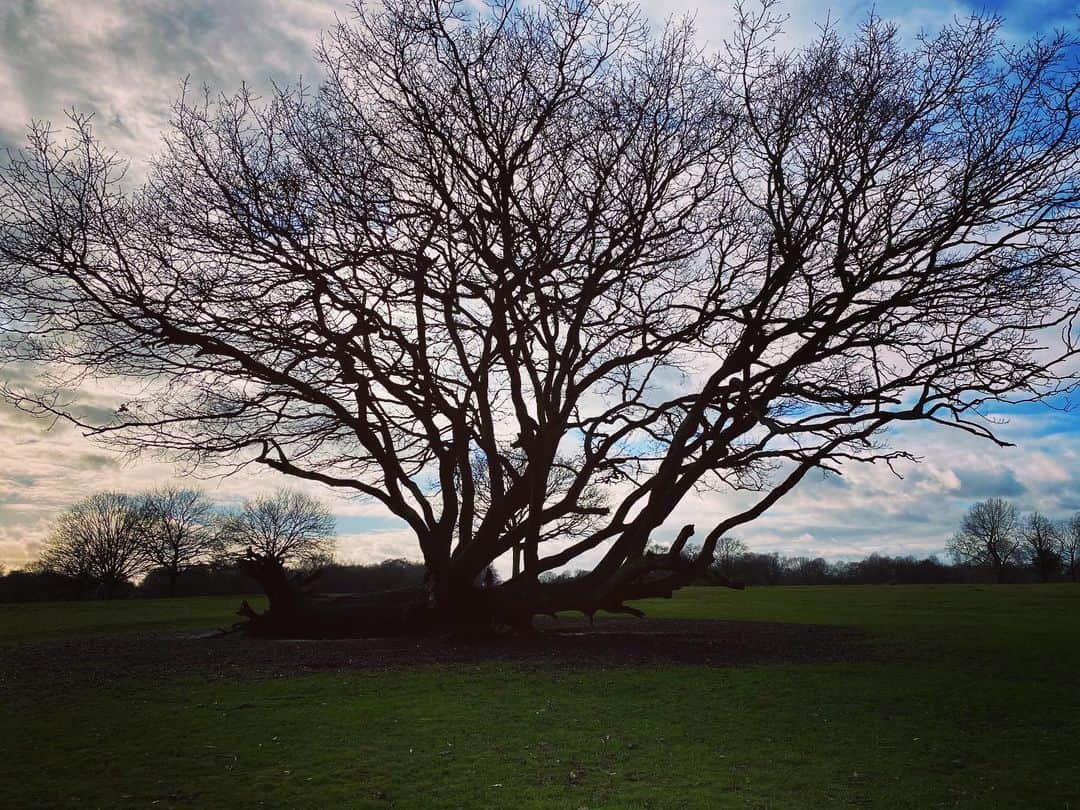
[539,266]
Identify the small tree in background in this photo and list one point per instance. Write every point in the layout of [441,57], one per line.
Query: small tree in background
[270,532]
[988,536]
[180,530]
[285,528]
[1039,545]
[1069,546]
[728,549]
[99,540]
[807,570]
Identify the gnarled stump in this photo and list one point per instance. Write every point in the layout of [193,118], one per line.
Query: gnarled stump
[296,612]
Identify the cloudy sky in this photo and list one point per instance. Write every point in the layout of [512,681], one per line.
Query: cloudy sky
[124,61]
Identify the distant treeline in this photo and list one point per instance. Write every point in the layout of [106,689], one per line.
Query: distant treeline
[749,568]
[207,580]
[175,542]
[877,569]
[1024,562]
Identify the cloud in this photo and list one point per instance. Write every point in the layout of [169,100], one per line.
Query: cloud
[1000,482]
[378,544]
[96,461]
[124,60]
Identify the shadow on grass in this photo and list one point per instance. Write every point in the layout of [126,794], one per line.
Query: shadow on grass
[88,661]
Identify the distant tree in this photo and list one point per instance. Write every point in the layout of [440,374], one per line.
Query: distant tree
[728,548]
[285,528]
[202,579]
[180,532]
[35,584]
[1069,546]
[317,561]
[1040,545]
[881,569]
[877,568]
[757,569]
[807,571]
[988,537]
[99,540]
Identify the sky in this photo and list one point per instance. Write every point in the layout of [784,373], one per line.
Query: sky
[124,61]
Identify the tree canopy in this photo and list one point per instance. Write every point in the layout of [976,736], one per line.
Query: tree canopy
[989,536]
[180,530]
[100,539]
[286,527]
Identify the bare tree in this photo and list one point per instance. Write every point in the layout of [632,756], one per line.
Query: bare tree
[99,540]
[287,528]
[728,549]
[1040,543]
[270,532]
[988,537]
[544,236]
[181,530]
[1069,546]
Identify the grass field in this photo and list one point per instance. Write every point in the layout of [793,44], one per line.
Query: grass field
[971,698]
[37,621]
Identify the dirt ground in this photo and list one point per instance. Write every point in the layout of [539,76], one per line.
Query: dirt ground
[90,660]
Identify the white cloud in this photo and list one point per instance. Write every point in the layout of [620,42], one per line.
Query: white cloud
[124,60]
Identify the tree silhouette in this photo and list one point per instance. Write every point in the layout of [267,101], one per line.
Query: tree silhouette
[180,531]
[1041,545]
[287,527]
[99,540]
[728,549]
[548,243]
[272,531]
[988,537]
[1069,546]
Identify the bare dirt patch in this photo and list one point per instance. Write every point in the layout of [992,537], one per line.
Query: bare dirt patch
[92,660]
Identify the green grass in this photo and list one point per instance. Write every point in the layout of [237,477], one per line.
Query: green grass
[43,620]
[976,706]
